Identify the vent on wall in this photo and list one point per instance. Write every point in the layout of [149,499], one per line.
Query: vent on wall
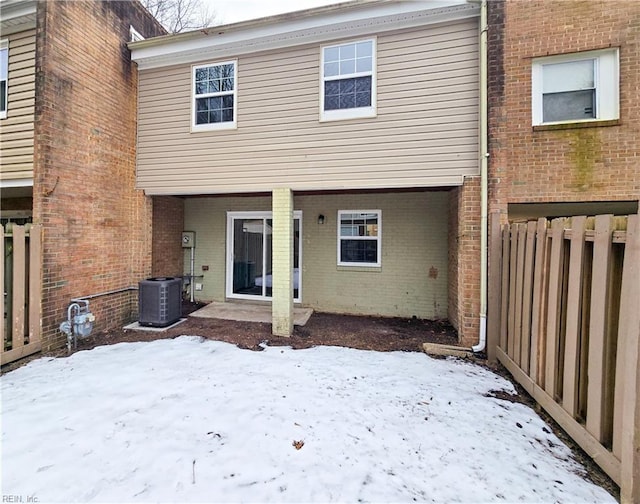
[160,301]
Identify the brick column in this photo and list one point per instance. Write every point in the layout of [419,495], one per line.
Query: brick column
[282,268]
[469,261]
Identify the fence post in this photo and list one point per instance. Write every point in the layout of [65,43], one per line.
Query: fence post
[35,283]
[495,281]
[2,304]
[629,331]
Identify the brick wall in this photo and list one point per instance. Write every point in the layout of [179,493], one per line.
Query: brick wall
[464,258]
[97,227]
[452,229]
[573,165]
[168,222]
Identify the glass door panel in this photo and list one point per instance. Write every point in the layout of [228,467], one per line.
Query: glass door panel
[248,239]
[296,258]
[251,250]
[268,259]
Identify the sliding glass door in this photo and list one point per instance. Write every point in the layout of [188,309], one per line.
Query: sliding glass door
[249,255]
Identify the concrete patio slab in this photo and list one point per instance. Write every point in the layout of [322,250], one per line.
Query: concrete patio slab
[247,312]
[136,326]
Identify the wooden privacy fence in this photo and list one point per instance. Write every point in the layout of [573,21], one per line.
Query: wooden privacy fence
[20,277]
[564,302]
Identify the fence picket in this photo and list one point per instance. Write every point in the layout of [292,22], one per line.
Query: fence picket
[554,315]
[504,298]
[521,233]
[527,295]
[511,324]
[626,431]
[19,270]
[574,324]
[597,326]
[538,308]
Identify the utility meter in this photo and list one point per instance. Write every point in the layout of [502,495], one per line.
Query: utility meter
[188,239]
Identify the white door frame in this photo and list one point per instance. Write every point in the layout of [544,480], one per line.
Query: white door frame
[231,216]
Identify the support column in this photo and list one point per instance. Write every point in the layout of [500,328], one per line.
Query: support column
[282,266]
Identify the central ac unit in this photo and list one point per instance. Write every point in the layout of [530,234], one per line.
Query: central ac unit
[160,301]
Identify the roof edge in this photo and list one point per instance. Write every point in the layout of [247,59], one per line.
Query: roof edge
[346,20]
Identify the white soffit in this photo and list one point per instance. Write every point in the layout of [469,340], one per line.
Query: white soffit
[292,29]
[16,16]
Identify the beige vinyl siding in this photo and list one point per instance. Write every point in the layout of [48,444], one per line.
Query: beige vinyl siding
[16,139]
[425,132]
[412,279]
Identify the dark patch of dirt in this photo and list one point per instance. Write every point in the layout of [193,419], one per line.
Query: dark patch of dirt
[366,333]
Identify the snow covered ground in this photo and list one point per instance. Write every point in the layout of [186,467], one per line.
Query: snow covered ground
[192,420]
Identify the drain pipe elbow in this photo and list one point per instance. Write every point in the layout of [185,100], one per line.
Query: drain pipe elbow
[482,340]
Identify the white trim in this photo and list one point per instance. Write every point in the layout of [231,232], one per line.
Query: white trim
[4,45]
[355,112]
[134,35]
[314,26]
[378,238]
[17,16]
[12,9]
[325,185]
[225,125]
[297,214]
[607,84]
[24,182]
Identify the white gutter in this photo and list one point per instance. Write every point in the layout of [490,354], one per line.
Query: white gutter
[484,161]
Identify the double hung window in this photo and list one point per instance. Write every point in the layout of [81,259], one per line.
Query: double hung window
[575,87]
[359,233]
[348,80]
[214,96]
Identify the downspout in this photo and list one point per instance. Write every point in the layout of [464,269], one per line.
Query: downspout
[484,161]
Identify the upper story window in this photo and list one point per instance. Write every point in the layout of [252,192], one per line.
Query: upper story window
[359,237]
[134,35]
[575,87]
[214,96]
[4,75]
[348,80]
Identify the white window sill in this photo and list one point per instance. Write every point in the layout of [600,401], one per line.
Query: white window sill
[345,114]
[591,123]
[213,127]
[376,268]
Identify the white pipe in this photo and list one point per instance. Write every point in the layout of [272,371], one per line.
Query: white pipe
[193,273]
[484,161]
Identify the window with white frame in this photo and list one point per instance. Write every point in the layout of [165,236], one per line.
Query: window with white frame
[348,80]
[214,96]
[134,35]
[359,237]
[4,77]
[575,87]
